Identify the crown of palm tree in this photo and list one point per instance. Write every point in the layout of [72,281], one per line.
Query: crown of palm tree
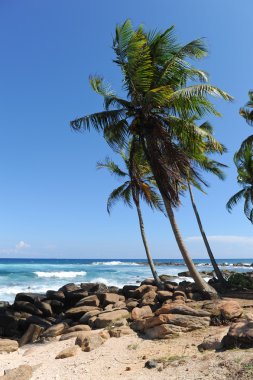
[244,163]
[159,104]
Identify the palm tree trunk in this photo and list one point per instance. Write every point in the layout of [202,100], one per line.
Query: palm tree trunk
[201,284]
[208,248]
[145,243]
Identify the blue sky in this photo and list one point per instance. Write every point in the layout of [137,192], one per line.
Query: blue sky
[52,199]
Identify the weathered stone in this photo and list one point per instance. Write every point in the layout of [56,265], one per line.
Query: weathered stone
[67,352]
[117,332]
[239,335]
[77,312]
[141,312]
[55,295]
[188,321]
[148,281]
[119,305]
[105,319]
[75,296]
[69,288]
[8,323]
[179,293]
[55,330]
[109,298]
[108,307]
[164,295]
[45,308]
[31,335]
[29,297]
[131,304]
[90,343]
[23,372]
[104,334]
[213,307]
[210,343]
[56,306]
[141,290]
[165,331]
[113,289]
[99,288]
[85,318]
[230,310]
[37,321]
[149,298]
[8,345]
[181,309]
[128,290]
[27,306]
[78,328]
[89,301]
[75,334]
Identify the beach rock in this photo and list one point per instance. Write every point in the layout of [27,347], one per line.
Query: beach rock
[68,352]
[31,335]
[45,308]
[4,304]
[213,307]
[85,318]
[71,287]
[75,296]
[89,343]
[181,309]
[75,334]
[128,290]
[119,305]
[164,295]
[55,295]
[179,293]
[210,343]
[8,323]
[8,345]
[113,289]
[164,331]
[131,304]
[149,298]
[148,281]
[239,335]
[78,328]
[188,321]
[23,372]
[117,332]
[141,290]
[151,364]
[29,297]
[56,306]
[141,312]
[87,286]
[89,301]
[55,330]
[230,310]
[107,318]
[109,298]
[37,321]
[27,306]
[99,288]
[77,312]
[104,334]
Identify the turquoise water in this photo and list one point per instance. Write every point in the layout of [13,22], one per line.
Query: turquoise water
[23,275]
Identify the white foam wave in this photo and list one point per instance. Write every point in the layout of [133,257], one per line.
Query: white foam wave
[113,263]
[61,274]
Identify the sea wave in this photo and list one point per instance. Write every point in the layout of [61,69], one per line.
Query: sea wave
[114,263]
[61,274]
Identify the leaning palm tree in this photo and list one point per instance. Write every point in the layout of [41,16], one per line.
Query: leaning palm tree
[138,184]
[212,167]
[244,164]
[158,102]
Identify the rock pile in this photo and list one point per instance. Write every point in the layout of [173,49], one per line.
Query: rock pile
[81,311]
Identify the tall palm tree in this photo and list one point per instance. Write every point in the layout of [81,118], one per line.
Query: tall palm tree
[139,183]
[213,167]
[247,113]
[244,163]
[158,102]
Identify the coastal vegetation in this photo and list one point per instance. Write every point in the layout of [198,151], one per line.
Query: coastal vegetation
[165,95]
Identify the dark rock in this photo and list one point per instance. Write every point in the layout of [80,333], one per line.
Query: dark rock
[71,287]
[27,306]
[29,297]
[31,335]
[89,301]
[45,308]
[55,295]
[240,335]
[151,364]
[128,290]
[56,306]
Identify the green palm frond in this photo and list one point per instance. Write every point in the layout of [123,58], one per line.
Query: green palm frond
[122,193]
[235,199]
[113,168]
[99,121]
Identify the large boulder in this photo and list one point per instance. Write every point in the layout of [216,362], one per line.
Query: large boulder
[89,301]
[55,330]
[141,312]
[77,312]
[27,307]
[230,310]
[109,298]
[78,328]
[31,335]
[107,318]
[86,317]
[181,309]
[239,335]
[141,290]
[30,297]
[8,345]
[55,295]
[149,298]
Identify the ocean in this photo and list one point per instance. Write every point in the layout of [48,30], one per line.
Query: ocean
[40,275]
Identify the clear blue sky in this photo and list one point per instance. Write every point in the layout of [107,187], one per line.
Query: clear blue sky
[52,199]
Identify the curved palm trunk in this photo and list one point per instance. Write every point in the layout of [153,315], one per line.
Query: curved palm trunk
[208,248]
[145,243]
[201,284]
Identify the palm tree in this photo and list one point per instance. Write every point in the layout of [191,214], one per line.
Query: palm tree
[139,184]
[155,78]
[247,113]
[244,163]
[213,167]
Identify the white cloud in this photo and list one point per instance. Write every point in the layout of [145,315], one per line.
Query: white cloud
[22,245]
[224,239]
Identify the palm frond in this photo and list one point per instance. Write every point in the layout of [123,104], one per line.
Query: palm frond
[113,168]
[99,121]
[117,194]
[235,199]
